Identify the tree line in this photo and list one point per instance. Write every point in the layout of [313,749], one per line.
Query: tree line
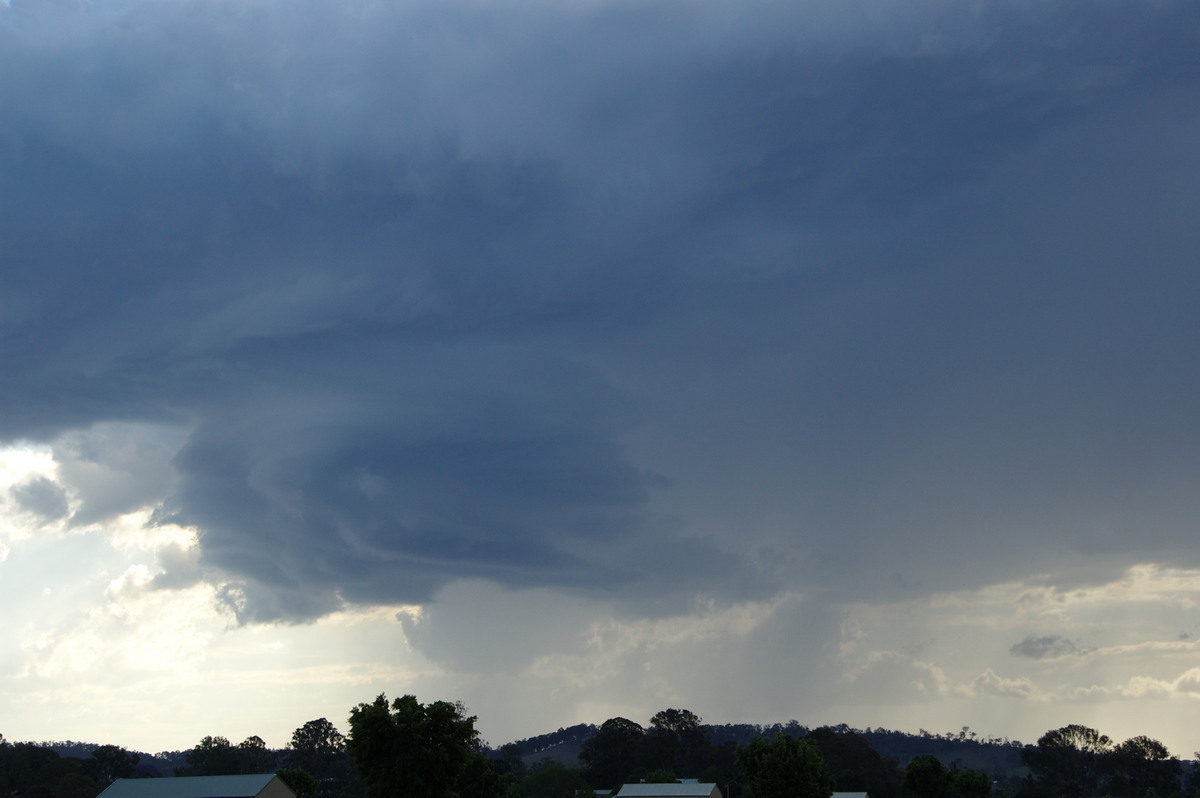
[402,746]
[1077,761]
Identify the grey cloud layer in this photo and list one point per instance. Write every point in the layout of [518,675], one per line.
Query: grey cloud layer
[1048,647]
[554,296]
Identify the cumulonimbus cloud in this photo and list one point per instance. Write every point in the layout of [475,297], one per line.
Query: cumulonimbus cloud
[608,297]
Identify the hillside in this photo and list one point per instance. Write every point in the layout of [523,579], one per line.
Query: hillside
[963,749]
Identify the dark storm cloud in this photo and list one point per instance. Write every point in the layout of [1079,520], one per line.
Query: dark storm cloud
[556,295]
[42,497]
[1048,647]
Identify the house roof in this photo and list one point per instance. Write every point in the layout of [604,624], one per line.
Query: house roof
[197,787]
[849,795]
[689,790]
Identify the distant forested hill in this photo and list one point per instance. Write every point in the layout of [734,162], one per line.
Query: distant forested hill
[149,765]
[560,746]
[963,748]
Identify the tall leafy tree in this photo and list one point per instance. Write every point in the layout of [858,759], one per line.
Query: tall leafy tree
[855,765]
[317,747]
[31,770]
[75,785]
[1143,766]
[971,783]
[300,781]
[480,779]
[213,756]
[253,756]
[551,779]
[111,762]
[675,741]
[510,762]
[683,722]
[784,767]
[927,777]
[409,748]
[611,756]
[1068,762]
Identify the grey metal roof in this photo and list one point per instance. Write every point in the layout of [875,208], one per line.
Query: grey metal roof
[690,790]
[190,787]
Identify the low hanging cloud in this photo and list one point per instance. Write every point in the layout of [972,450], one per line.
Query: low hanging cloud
[607,298]
[43,497]
[1048,647]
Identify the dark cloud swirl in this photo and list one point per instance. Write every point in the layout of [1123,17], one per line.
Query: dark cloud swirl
[612,296]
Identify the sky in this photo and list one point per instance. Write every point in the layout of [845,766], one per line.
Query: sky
[828,360]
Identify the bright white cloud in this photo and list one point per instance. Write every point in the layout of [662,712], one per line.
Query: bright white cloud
[20,466]
[988,683]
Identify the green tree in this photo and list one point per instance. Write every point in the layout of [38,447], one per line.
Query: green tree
[479,779]
[253,756]
[971,783]
[1141,766]
[300,781]
[855,765]
[213,756]
[511,763]
[683,722]
[1067,762]
[611,756]
[927,777]
[784,767]
[32,770]
[109,763]
[409,748]
[550,779]
[76,785]
[317,747]
[675,741]
[320,749]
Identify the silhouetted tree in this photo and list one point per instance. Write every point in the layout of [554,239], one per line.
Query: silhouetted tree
[550,779]
[614,753]
[971,783]
[75,785]
[479,779]
[30,770]
[675,741]
[1142,766]
[317,746]
[855,765]
[320,749]
[927,777]
[510,762]
[212,756]
[784,767]
[409,748]
[109,763]
[1067,762]
[300,781]
[253,756]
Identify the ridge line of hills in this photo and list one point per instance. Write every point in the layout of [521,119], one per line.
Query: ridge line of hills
[964,748]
